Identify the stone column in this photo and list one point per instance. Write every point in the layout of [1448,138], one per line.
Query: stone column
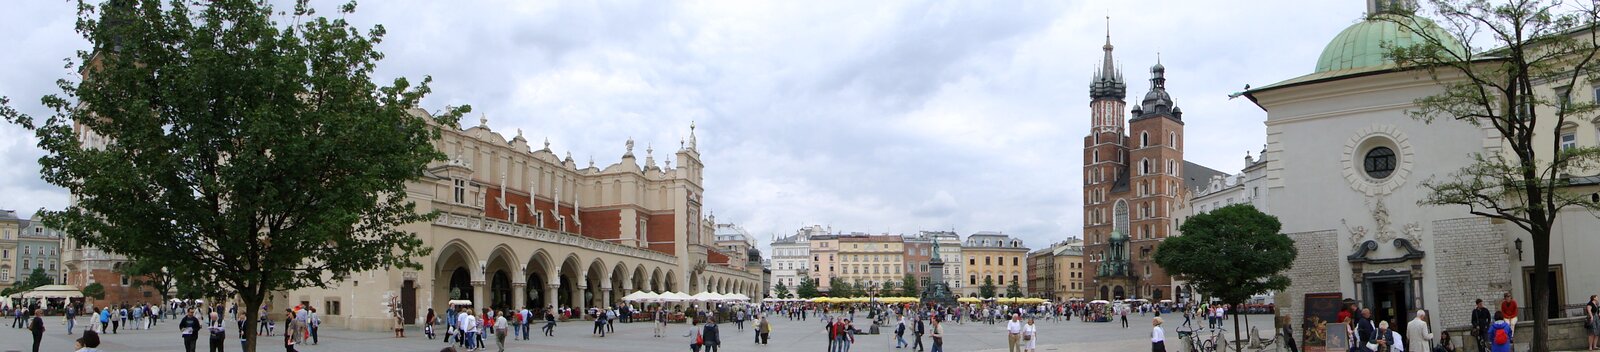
[479,299]
[550,295]
[605,297]
[578,304]
[519,294]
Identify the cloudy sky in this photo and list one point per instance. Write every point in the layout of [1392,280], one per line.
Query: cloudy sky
[877,116]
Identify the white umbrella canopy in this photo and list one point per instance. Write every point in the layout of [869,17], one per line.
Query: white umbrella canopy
[706,297]
[738,297]
[641,296]
[676,297]
[1099,301]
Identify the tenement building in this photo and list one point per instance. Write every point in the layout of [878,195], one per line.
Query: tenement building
[1346,167]
[1134,173]
[994,257]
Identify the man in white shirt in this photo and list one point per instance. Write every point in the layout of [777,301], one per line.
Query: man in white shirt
[468,326]
[1014,333]
[1420,336]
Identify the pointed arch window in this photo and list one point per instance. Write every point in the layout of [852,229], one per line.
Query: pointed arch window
[1144,139]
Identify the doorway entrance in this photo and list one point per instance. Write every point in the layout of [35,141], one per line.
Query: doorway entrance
[408,301]
[1389,297]
[1552,292]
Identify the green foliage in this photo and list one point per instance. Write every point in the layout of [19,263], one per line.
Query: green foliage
[888,289]
[1229,254]
[838,287]
[807,288]
[908,286]
[95,291]
[34,279]
[780,291]
[1540,43]
[256,155]
[987,290]
[1013,290]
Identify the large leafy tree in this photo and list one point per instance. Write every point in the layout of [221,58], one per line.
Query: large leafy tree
[987,290]
[807,288]
[888,289]
[1229,254]
[246,149]
[149,273]
[1013,290]
[908,286]
[1528,182]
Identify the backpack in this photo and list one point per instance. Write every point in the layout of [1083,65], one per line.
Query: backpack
[1501,337]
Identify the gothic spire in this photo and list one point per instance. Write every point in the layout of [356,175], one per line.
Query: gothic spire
[1107,82]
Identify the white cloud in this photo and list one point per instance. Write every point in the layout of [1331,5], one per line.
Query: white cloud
[867,116]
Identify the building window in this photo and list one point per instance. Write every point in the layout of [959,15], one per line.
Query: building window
[986,261]
[331,307]
[1569,138]
[1013,261]
[1172,139]
[1144,139]
[461,191]
[972,280]
[513,214]
[1379,162]
[1002,280]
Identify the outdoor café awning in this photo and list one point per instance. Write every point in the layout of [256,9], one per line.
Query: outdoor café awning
[51,291]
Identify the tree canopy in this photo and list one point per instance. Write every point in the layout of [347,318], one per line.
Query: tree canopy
[1013,289]
[807,288]
[987,290]
[247,154]
[1229,254]
[780,291]
[909,286]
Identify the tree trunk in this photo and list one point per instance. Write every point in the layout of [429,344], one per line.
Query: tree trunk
[252,309]
[1540,302]
[1238,345]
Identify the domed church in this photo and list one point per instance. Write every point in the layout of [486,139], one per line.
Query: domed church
[1348,164]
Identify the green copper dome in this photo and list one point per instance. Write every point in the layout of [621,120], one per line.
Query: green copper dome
[1361,45]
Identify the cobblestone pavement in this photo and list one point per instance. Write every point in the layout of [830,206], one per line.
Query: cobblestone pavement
[787,335]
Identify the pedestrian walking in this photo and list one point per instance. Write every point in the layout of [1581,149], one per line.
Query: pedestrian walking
[661,320]
[900,332]
[218,334]
[550,322]
[712,336]
[917,329]
[313,323]
[72,319]
[190,327]
[937,334]
[1030,337]
[599,323]
[500,330]
[766,329]
[36,326]
[1014,334]
[695,335]
[1158,338]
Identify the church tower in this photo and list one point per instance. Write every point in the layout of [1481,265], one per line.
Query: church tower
[1133,175]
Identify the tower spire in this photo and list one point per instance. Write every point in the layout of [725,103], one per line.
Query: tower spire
[1107,83]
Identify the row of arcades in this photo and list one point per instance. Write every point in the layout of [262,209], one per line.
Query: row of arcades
[546,276]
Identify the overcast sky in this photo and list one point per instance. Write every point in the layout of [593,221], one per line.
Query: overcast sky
[876,116]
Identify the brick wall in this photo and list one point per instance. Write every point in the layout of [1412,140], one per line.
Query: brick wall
[1469,263]
[602,224]
[1315,270]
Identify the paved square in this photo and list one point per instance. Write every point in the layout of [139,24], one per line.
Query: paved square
[787,335]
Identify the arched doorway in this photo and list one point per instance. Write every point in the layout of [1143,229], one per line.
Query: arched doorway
[1105,293]
[1118,293]
[500,290]
[461,284]
[670,282]
[619,276]
[655,281]
[538,281]
[639,280]
[568,294]
[595,276]
[694,283]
